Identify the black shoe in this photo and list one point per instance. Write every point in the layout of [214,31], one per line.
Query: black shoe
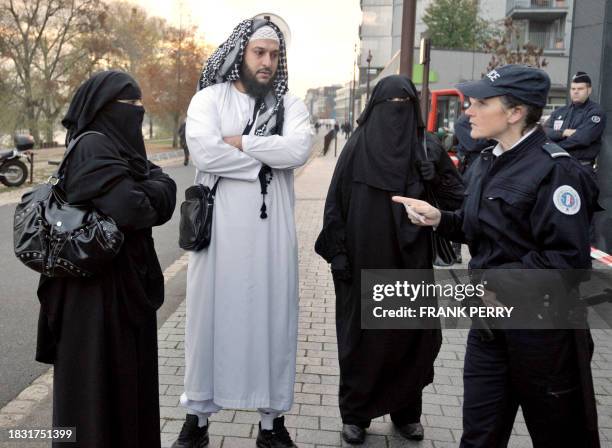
[192,436]
[277,437]
[186,162]
[411,431]
[353,434]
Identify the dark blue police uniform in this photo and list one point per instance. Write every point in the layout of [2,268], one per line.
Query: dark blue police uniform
[589,121]
[528,208]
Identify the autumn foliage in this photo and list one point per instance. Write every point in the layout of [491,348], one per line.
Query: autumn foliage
[49,47]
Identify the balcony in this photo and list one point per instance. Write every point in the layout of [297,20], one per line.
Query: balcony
[542,10]
[550,42]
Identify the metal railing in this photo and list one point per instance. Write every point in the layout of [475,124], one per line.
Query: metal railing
[545,39]
[536,4]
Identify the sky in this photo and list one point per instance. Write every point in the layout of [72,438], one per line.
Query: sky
[323,32]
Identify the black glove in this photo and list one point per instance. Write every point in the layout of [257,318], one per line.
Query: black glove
[340,267]
[428,170]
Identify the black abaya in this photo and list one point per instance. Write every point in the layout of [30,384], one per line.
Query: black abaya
[381,371]
[101,333]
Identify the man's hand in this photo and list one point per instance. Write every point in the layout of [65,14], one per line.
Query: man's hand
[568,132]
[235,141]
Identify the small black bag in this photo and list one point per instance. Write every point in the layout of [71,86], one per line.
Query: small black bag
[59,239]
[196,217]
[195,228]
[443,251]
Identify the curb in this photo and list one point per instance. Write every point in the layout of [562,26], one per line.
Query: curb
[21,406]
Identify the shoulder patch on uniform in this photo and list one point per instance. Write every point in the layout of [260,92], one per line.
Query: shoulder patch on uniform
[595,118]
[554,150]
[567,200]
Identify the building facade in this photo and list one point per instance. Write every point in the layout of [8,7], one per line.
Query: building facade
[544,23]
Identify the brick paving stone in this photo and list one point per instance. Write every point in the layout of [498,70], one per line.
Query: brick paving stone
[444,422]
[323,411]
[329,400]
[307,398]
[230,429]
[400,442]
[320,388]
[237,442]
[301,421]
[308,378]
[331,438]
[330,379]
[246,417]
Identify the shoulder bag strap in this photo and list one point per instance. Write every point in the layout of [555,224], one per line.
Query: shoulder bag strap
[56,177]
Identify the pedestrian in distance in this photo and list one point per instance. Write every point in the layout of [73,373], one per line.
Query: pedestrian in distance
[382,371]
[528,206]
[183,141]
[100,333]
[246,135]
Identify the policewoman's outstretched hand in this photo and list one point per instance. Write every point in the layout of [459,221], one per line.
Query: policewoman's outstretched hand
[419,212]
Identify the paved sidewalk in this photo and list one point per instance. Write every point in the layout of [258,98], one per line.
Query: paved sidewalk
[314,419]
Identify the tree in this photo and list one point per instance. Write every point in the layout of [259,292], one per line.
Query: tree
[136,37]
[11,112]
[38,38]
[507,49]
[456,24]
[170,82]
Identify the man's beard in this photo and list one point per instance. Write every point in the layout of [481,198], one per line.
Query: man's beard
[254,87]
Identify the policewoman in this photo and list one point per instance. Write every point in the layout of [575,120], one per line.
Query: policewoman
[527,206]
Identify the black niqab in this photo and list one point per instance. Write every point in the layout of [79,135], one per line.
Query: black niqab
[388,140]
[94,107]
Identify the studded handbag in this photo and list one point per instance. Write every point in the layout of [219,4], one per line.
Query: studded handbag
[58,239]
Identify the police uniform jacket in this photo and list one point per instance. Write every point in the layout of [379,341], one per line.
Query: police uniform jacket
[589,121]
[529,207]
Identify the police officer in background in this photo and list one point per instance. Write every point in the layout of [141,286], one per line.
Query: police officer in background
[579,126]
[528,206]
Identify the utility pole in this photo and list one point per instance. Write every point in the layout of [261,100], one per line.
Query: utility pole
[177,112]
[369,60]
[353,89]
[424,60]
[407,41]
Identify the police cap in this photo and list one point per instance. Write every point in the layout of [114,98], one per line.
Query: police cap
[581,77]
[527,84]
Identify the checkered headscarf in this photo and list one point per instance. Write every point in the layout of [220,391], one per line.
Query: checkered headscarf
[225,63]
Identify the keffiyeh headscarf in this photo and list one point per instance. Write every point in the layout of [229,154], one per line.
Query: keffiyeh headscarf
[225,64]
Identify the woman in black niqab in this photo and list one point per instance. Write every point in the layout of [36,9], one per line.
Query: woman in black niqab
[101,333]
[381,371]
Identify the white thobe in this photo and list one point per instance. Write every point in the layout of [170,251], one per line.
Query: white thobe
[242,291]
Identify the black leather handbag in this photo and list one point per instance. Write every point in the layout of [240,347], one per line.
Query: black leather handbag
[196,217]
[58,239]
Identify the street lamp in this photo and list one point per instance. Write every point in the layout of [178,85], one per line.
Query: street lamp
[368,60]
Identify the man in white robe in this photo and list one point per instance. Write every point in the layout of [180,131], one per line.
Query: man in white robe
[242,291]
